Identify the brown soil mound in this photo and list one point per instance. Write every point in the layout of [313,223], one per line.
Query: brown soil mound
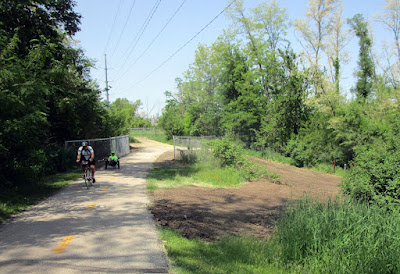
[252,209]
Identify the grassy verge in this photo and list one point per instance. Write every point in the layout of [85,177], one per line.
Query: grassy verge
[325,168]
[266,155]
[279,158]
[230,255]
[270,155]
[16,200]
[197,174]
[311,237]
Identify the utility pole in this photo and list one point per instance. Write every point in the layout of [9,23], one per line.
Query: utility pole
[105,61]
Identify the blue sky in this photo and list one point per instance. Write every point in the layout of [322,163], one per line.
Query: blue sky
[113,27]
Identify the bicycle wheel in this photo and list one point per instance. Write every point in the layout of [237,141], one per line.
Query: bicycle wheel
[85,179]
[89,176]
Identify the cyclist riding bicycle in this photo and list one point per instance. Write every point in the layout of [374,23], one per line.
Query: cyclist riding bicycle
[112,160]
[86,153]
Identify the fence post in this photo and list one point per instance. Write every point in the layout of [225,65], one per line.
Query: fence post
[173,137]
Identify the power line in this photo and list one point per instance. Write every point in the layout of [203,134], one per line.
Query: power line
[123,29]
[155,38]
[113,25]
[142,30]
[190,40]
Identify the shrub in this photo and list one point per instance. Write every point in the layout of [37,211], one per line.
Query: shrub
[228,154]
[376,173]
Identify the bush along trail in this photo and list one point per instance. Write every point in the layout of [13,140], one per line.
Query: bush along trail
[301,224]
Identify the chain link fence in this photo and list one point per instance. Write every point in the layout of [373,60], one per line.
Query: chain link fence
[103,147]
[187,147]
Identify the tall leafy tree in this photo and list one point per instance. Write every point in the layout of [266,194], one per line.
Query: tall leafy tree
[390,19]
[336,43]
[314,30]
[366,72]
[172,117]
[45,90]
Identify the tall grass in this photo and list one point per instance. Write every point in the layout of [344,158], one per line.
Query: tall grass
[340,236]
[311,237]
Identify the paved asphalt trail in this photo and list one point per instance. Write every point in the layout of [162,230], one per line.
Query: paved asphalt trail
[106,228]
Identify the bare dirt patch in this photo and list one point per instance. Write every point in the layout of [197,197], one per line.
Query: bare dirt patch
[252,209]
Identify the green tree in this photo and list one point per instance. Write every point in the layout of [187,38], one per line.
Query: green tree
[314,30]
[172,117]
[45,92]
[366,73]
[287,112]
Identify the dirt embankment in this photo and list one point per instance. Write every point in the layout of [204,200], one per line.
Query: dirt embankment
[253,209]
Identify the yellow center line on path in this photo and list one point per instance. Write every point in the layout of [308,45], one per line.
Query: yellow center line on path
[91,206]
[105,189]
[64,244]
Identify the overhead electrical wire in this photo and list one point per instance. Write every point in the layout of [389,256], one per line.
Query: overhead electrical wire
[155,38]
[123,29]
[141,31]
[190,40]
[113,25]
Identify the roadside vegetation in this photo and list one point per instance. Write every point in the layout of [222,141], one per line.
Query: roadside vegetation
[47,97]
[250,86]
[311,237]
[222,164]
[13,201]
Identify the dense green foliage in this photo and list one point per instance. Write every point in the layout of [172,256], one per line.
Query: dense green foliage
[251,86]
[124,115]
[46,94]
[227,154]
[367,71]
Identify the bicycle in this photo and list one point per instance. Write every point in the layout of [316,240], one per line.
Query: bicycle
[87,174]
